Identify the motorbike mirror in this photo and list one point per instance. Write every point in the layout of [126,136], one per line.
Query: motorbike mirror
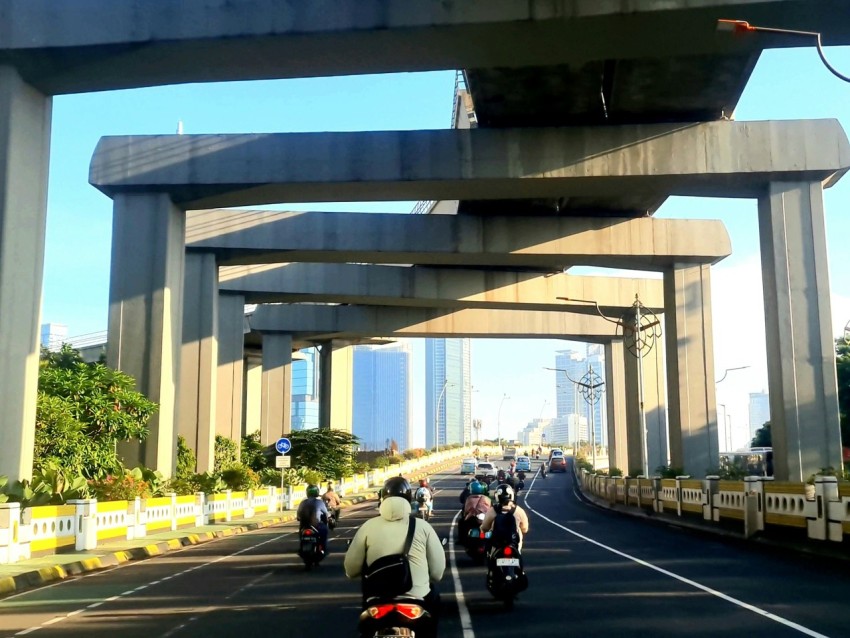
[348,542]
[444,542]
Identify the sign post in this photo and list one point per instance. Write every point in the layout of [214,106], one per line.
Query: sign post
[282,445]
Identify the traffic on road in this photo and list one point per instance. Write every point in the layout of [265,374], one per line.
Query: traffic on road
[589,572]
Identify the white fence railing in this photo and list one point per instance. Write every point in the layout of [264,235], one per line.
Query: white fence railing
[756,504]
[82,524]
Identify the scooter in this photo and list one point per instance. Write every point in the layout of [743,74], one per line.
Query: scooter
[505,575]
[422,504]
[397,616]
[333,518]
[476,541]
[310,547]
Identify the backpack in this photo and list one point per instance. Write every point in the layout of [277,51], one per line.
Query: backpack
[505,530]
[390,576]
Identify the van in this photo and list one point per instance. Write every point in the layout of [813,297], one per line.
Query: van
[509,454]
[467,466]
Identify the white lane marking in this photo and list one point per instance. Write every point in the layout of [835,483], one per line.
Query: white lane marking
[682,579]
[130,592]
[465,618]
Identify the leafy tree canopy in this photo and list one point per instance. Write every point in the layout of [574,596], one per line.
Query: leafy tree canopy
[842,364]
[762,437]
[330,452]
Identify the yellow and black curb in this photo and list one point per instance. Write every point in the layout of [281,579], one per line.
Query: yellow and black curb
[53,573]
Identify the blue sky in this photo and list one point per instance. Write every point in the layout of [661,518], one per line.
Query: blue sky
[786,84]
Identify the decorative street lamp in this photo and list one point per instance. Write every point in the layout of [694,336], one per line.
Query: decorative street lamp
[641,329]
[588,387]
[437,415]
[499,419]
[727,424]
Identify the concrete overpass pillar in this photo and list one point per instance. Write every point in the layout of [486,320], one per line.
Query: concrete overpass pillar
[615,395]
[231,346]
[802,380]
[146,314]
[276,408]
[199,358]
[694,443]
[325,384]
[252,395]
[654,406]
[24,153]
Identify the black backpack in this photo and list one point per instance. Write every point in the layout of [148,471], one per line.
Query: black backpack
[505,530]
[390,576]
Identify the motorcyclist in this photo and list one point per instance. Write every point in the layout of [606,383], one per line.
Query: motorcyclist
[520,482]
[332,501]
[477,503]
[385,535]
[466,491]
[424,494]
[505,507]
[312,512]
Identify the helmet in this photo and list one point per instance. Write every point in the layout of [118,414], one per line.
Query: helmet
[423,482]
[477,488]
[504,494]
[501,476]
[397,486]
[312,491]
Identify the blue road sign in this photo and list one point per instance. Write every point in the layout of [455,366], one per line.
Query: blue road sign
[283,445]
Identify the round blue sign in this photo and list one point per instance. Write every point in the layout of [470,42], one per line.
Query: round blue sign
[283,445]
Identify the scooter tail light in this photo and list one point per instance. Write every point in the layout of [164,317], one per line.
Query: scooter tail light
[410,611]
[508,551]
[308,532]
[379,611]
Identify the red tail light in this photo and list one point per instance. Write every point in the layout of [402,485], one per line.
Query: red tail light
[308,532]
[508,551]
[482,535]
[379,611]
[410,611]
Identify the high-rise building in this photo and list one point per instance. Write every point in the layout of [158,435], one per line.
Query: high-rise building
[759,411]
[381,412]
[305,391]
[53,335]
[448,391]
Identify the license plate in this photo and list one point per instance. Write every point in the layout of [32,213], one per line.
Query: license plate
[507,562]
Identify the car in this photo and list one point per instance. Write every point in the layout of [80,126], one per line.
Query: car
[485,471]
[523,464]
[467,466]
[558,463]
[555,452]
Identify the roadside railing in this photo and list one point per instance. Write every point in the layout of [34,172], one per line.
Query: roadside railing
[757,504]
[83,524]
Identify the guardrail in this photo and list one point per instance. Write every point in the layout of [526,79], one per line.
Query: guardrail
[82,524]
[756,504]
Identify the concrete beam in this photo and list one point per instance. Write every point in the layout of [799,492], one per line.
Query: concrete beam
[322,323]
[253,237]
[421,286]
[113,45]
[720,159]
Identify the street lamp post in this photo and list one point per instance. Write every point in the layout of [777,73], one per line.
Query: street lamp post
[499,419]
[588,386]
[727,428]
[640,332]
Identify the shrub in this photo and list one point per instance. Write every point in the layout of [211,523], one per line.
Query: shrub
[186,461]
[380,462]
[120,487]
[667,471]
[239,477]
[226,453]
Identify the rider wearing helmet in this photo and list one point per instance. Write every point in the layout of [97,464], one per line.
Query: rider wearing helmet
[312,512]
[424,494]
[476,503]
[385,535]
[504,515]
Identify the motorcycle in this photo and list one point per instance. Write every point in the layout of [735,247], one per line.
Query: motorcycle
[397,616]
[476,541]
[310,547]
[422,504]
[505,575]
[333,518]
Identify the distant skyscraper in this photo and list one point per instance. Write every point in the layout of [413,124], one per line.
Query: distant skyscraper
[305,391]
[572,410]
[759,411]
[53,335]
[382,396]
[448,391]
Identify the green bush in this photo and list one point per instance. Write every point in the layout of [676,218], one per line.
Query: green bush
[239,477]
[668,472]
[122,487]
[186,461]
[254,454]
[226,453]
[380,462]
[49,486]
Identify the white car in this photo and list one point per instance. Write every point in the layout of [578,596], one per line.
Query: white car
[486,471]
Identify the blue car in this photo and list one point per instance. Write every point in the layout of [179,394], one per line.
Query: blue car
[523,464]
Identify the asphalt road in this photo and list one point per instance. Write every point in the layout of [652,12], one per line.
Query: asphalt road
[592,573]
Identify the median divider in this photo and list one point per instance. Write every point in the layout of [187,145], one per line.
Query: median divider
[30,572]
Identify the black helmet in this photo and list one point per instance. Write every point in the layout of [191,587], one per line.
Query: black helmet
[397,486]
[504,494]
